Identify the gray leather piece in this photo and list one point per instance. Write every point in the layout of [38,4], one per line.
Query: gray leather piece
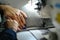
[34,22]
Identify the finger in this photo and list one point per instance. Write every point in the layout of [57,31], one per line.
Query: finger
[23,13]
[22,19]
[18,29]
[16,22]
[20,22]
[22,25]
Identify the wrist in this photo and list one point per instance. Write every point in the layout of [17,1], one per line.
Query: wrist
[12,29]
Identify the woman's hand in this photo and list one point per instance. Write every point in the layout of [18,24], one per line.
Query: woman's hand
[16,19]
[12,24]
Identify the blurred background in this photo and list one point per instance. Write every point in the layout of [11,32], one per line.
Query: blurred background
[40,22]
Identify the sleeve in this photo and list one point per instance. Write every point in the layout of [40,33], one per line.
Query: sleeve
[8,35]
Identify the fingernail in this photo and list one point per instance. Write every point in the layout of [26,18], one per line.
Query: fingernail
[24,27]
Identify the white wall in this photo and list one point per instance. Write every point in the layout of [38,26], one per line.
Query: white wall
[16,3]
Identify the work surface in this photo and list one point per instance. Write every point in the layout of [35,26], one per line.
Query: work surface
[32,35]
